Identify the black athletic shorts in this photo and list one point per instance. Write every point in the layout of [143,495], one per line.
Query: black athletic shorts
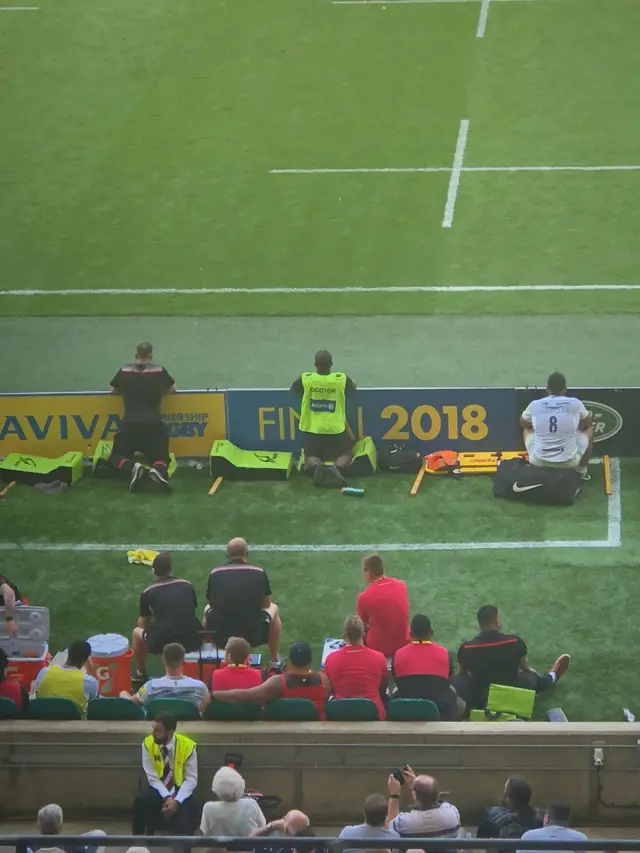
[328,448]
[157,637]
[257,635]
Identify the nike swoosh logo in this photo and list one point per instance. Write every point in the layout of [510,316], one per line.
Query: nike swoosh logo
[517,488]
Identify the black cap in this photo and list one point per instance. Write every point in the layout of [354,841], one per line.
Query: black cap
[300,654]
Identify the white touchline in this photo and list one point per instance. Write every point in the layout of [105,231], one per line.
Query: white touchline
[218,291]
[614,526]
[630,167]
[454,180]
[365,546]
[19,8]
[482,20]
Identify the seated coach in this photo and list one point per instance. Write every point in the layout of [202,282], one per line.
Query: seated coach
[239,602]
[167,615]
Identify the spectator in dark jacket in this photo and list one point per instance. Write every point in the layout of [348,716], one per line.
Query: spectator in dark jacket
[515,815]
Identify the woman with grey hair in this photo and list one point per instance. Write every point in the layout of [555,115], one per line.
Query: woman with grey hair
[50,820]
[233,813]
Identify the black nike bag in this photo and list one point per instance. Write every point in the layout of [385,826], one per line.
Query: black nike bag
[398,459]
[516,480]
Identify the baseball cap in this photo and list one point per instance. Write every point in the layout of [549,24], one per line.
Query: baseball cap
[300,654]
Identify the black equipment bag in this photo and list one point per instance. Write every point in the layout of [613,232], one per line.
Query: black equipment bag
[516,480]
[398,459]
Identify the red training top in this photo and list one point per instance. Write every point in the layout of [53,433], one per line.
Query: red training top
[422,658]
[308,687]
[235,677]
[357,672]
[384,606]
[12,689]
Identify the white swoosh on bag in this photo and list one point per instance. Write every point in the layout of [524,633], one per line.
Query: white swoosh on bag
[517,488]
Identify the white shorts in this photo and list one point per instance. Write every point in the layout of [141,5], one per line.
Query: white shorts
[582,441]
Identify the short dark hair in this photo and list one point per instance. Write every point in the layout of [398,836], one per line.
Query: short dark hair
[168,721]
[78,653]
[375,810]
[144,350]
[162,564]
[374,564]
[557,383]
[559,810]
[300,654]
[173,654]
[323,358]
[487,615]
[519,792]
[421,627]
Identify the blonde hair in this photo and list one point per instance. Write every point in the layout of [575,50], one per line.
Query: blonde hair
[353,629]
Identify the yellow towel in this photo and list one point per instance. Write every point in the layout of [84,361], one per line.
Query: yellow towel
[141,556]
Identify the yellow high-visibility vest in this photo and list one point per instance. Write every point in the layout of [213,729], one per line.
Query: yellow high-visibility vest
[184,749]
[323,409]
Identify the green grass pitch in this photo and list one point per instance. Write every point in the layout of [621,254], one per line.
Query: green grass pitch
[138,151]
[558,599]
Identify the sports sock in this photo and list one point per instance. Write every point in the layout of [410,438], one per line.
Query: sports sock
[554,677]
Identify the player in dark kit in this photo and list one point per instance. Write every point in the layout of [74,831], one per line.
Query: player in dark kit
[142,385]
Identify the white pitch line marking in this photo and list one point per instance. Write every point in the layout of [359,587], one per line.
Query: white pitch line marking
[454,180]
[406,2]
[417,546]
[19,8]
[631,167]
[482,20]
[216,291]
[614,526]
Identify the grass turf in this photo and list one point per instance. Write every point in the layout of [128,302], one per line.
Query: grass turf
[141,137]
[574,600]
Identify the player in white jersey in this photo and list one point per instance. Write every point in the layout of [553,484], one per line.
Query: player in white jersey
[557,429]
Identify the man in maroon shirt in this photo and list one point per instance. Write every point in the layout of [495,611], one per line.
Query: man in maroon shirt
[356,671]
[384,608]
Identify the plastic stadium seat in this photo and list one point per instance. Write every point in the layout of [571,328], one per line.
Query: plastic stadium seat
[412,709]
[228,711]
[8,709]
[291,709]
[178,708]
[53,709]
[362,710]
[114,709]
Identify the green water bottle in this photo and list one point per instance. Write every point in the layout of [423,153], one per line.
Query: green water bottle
[348,490]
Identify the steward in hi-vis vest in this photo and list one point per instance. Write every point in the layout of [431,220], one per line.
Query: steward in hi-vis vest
[327,447]
[170,763]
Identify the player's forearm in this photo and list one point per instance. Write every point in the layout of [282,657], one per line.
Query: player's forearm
[9,602]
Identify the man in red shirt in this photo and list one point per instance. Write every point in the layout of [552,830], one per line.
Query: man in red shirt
[384,608]
[356,671]
[422,668]
[237,672]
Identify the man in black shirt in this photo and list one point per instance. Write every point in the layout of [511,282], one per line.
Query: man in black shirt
[142,385]
[514,816]
[240,605]
[167,615]
[496,658]
[10,596]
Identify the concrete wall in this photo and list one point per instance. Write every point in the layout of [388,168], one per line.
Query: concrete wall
[327,768]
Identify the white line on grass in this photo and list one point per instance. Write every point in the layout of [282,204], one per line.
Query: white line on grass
[454,180]
[405,2]
[403,546]
[482,20]
[257,291]
[614,526]
[19,8]
[409,169]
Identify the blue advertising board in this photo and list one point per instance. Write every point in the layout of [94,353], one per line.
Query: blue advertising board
[463,419]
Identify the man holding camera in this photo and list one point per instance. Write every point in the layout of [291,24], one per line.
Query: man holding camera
[430,817]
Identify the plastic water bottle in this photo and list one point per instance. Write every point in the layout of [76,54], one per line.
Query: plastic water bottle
[629,716]
[351,492]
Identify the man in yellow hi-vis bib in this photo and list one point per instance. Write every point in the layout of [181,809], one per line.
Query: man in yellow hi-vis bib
[323,418]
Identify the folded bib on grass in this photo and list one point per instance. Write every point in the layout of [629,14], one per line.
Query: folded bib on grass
[142,557]
[231,462]
[38,469]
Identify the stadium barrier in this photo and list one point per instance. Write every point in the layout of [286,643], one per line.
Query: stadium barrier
[441,845]
[427,419]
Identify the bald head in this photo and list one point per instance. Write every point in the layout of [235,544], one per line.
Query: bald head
[237,549]
[295,822]
[425,791]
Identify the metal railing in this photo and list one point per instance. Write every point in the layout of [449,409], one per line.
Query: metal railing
[302,844]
